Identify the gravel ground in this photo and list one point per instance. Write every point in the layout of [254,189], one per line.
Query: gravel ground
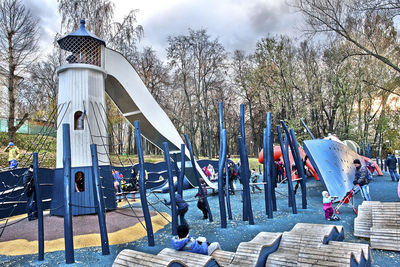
[382,189]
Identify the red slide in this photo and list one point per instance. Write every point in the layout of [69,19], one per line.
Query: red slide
[376,166]
[278,154]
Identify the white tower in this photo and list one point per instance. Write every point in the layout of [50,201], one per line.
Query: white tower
[81,98]
[81,103]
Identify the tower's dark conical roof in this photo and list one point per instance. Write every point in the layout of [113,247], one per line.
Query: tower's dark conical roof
[81,32]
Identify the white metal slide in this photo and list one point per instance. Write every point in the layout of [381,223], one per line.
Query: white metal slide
[135,102]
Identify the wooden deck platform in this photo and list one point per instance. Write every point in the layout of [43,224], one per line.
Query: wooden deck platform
[379,221]
[305,245]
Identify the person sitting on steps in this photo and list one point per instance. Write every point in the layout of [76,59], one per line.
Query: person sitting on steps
[184,242]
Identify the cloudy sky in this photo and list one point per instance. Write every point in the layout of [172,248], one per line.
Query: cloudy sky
[238,24]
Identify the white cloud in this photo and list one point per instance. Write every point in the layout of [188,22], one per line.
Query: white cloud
[238,24]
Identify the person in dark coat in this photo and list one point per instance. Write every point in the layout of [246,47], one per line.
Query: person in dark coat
[182,206]
[232,174]
[29,185]
[391,162]
[361,179]
[201,204]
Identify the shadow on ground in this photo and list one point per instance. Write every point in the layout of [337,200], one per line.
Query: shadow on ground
[382,189]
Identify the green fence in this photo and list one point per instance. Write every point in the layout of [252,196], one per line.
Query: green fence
[31,127]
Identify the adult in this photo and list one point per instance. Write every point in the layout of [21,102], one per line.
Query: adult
[391,162]
[182,206]
[29,185]
[13,155]
[184,242]
[232,174]
[361,179]
[201,204]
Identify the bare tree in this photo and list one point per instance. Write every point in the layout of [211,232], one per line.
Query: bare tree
[18,46]
[153,73]
[343,18]
[99,15]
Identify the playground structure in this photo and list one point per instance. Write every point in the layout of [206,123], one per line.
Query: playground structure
[305,244]
[86,116]
[379,221]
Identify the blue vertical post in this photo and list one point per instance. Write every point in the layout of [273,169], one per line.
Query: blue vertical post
[273,172]
[142,187]
[39,207]
[267,166]
[358,150]
[300,169]
[221,165]
[177,172]
[287,169]
[369,150]
[228,198]
[68,234]
[243,134]
[308,130]
[182,172]
[267,178]
[197,177]
[363,148]
[289,194]
[99,201]
[174,214]
[381,164]
[242,126]
[245,175]
[221,117]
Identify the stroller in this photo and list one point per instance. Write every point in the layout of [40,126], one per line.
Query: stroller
[348,199]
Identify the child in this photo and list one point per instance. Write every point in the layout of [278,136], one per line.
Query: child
[181,205]
[183,242]
[201,203]
[327,201]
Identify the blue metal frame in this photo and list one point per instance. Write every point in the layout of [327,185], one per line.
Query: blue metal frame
[68,233]
[142,187]
[39,207]
[274,173]
[285,154]
[308,130]
[228,198]
[245,176]
[221,165]
[182,171]
[266,174]
[174,214]
[299,163]
[99,201]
